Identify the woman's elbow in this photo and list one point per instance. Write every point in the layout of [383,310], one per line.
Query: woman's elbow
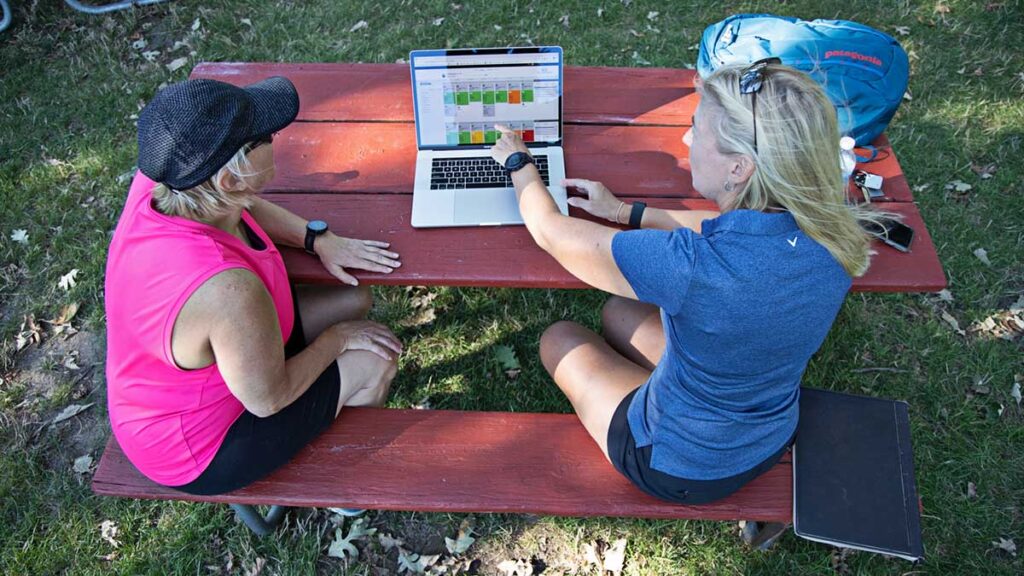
[263,409]
[541,231]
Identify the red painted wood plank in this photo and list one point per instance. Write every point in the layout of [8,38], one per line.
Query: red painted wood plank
[630,160]
[449,461]
[507,256]
[382,92]
[366,157]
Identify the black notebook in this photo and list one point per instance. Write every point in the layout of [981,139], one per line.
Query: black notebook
[853,474]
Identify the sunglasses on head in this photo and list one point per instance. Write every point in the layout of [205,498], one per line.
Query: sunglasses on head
[751,82]
[250,146]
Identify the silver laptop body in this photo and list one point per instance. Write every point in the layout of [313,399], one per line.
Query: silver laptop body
[458,96]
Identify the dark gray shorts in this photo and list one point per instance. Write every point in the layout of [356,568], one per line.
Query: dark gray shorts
[635,464]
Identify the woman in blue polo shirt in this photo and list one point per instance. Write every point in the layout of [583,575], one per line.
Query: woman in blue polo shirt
[692,391]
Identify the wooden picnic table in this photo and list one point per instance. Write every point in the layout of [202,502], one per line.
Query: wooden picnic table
[349,159]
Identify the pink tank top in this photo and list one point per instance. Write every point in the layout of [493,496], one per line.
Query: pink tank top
[170,422]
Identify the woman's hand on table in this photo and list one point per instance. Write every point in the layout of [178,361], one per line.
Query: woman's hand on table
[367,335]
[508,143]
[598,199]
[338,253]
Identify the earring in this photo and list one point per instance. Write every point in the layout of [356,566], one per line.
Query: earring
[729,186]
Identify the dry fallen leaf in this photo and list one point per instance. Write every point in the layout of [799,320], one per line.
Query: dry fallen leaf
[984,171]
[972,490]
[600,12]
[952,322]
[438,21]
[516,568]
[903,30]
[67,281]
[195,24]
[564,20]
[83,464]
[462,541]
[388,542]
[256,568]
[615,556]
[1015,393]
[941,8]
[71,412]
[342,547]
[29,333]
[652,15]
[415,563]
[177,63]
[1006,544]
[945,295]
[592,554]
[108,531]
[983,256]
[20,236]
[359,26]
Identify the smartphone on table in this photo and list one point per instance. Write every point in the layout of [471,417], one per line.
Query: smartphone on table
[892,232]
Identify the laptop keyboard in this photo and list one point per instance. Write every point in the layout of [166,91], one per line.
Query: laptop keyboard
[458,173]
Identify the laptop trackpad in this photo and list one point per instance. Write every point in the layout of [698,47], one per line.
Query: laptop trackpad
[486,207]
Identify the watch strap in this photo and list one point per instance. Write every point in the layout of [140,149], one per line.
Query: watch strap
[517,161]
[310,238]
[636,214]
[311,235]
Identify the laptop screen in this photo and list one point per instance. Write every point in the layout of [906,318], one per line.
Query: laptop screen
[459,95]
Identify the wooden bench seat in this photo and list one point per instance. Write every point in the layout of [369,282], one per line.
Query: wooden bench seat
[454,461]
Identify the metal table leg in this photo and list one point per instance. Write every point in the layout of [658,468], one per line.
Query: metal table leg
[261,525]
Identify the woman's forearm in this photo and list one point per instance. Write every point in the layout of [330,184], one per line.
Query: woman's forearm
[283,227]
[535,203]
[672,219]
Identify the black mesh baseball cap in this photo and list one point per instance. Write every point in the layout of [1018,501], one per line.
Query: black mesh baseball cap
[191,129]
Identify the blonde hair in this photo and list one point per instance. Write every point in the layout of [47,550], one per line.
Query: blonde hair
[797,157]
[208,200]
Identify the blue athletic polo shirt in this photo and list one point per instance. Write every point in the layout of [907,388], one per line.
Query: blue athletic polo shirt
[744,304]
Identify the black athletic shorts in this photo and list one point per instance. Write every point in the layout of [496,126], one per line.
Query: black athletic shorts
[254,447]
[635,464]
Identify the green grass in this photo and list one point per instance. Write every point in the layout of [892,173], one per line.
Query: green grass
[71,85]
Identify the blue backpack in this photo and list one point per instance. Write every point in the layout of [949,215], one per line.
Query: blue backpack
[864,71]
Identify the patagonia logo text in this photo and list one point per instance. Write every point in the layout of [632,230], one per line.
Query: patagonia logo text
[853,55]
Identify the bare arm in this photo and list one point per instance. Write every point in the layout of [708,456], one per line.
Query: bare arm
[583,248]
[672,219]
[600,202]
[335,252]
[245,337]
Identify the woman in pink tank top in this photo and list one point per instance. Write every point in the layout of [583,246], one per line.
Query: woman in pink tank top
[217,373]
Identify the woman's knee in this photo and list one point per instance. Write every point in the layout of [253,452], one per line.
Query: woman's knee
[558,340]
[614,314]
[362,300]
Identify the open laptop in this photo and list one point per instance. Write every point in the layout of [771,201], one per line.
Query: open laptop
[458,96]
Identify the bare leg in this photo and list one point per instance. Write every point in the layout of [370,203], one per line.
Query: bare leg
[592,375]
[634,329]
[365,376]
[323,306]
[365,379]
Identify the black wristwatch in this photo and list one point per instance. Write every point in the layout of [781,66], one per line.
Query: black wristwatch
[636,214]
[314,228]
[517,161]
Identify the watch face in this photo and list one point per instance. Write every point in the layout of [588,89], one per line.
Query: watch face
[317,226]
[515,161]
